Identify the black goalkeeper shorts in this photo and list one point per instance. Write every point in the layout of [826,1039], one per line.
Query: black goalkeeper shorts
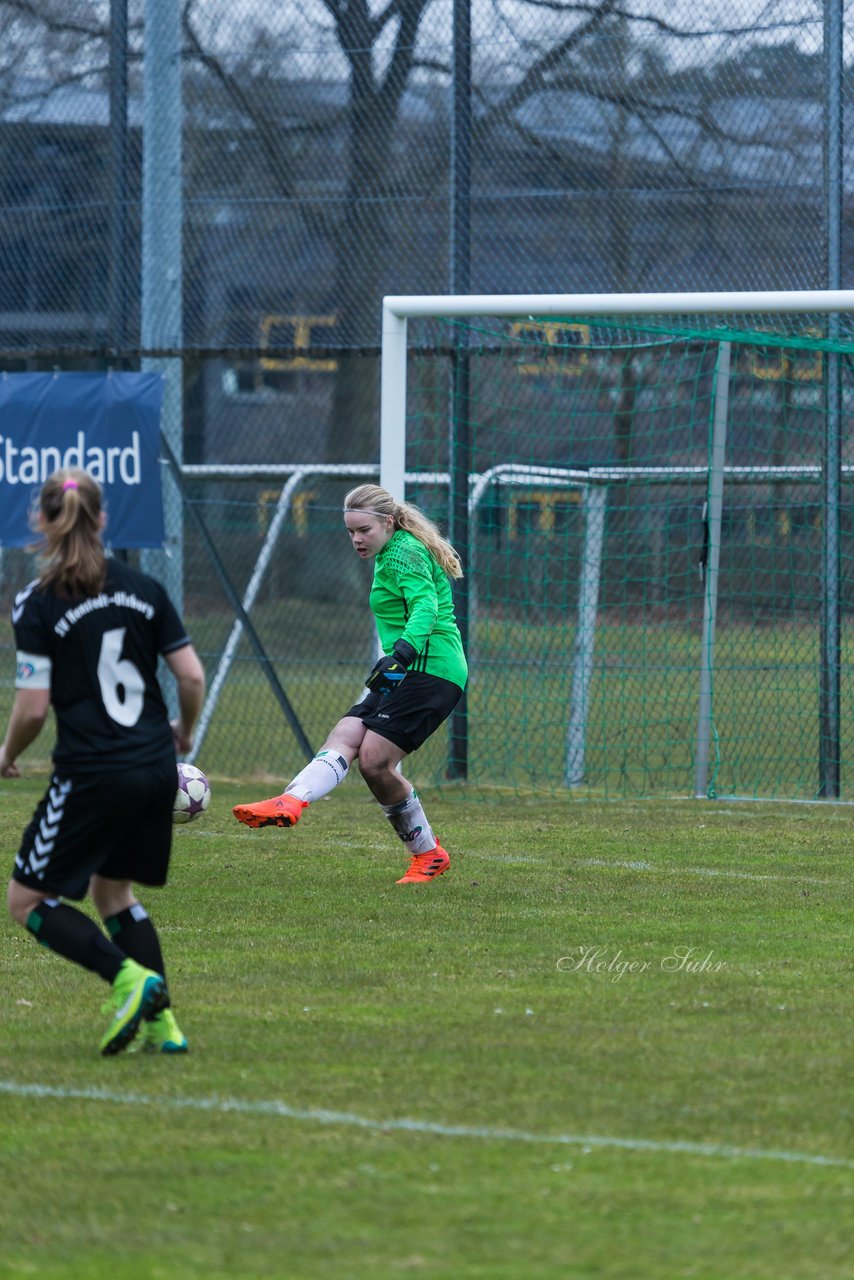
[412,713]
[114,824]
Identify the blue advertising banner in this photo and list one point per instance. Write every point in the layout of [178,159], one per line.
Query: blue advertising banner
[106,423]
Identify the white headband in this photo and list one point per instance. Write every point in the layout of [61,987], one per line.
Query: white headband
[366,511]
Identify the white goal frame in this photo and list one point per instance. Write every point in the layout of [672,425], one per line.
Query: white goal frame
[399,309]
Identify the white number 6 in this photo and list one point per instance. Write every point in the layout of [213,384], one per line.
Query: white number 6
[122,685]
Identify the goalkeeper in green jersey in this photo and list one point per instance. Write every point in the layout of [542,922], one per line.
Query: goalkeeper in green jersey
[412,689]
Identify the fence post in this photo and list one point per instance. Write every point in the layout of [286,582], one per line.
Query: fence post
[714,505]
[829,748]
[595,500]
[161,320]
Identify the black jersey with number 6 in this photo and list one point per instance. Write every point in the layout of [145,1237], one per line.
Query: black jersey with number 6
[98,656]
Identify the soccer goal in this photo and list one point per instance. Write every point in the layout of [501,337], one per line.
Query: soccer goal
[651,495]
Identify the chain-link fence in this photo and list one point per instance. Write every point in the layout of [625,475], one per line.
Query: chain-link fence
[590,611]
[325,156]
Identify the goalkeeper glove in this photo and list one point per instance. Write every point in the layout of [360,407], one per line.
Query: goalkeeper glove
[388,674]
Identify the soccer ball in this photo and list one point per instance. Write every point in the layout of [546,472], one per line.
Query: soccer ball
[193,795]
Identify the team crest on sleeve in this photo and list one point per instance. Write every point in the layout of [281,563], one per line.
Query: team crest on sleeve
[33,671]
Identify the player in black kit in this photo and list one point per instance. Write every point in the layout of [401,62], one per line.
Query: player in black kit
[88,632]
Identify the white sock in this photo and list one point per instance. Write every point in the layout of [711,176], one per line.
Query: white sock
[410,823]
[320,776]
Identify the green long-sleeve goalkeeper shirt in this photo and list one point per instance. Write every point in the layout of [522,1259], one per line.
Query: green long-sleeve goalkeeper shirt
[411,600]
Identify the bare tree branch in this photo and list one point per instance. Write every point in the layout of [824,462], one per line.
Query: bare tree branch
[534,78]
[53,22]
[678,33]
[400,66]
[45,94]
[641,105]
[246,105]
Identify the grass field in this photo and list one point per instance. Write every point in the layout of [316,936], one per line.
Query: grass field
[614,1041]
[642,727]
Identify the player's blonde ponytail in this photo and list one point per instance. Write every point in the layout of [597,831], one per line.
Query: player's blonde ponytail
[69,519]
[378,502]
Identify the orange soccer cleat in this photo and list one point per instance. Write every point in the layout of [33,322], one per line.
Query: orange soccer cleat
[426,866]
[281,811]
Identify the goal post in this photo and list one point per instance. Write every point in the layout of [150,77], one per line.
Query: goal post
[782,383]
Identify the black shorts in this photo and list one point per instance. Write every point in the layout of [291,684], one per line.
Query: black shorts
[113,824]
[412,713]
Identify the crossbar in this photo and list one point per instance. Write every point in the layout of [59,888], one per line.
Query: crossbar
[763,302]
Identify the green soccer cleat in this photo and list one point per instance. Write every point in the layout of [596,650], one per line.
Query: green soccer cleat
[161,1034]
[137,993]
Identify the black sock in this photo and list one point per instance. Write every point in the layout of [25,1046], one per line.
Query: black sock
[133,932]
[72,934]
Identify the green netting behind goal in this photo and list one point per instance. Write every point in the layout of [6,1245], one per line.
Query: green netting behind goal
[588,540]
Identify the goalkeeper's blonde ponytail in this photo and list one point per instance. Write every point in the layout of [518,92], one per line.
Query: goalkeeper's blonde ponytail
[378,502]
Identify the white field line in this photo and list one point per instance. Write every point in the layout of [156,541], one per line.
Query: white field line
[589,1142]
[699,871]
[635,865]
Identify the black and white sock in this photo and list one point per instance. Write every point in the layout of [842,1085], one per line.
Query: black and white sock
[410,823]
[320,776]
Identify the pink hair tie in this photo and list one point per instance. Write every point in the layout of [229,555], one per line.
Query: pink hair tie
[69,484]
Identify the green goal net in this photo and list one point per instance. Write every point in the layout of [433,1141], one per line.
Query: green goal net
[656,521]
